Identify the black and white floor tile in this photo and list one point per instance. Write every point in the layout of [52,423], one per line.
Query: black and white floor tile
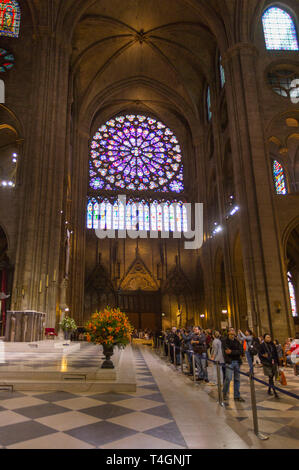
[61,420]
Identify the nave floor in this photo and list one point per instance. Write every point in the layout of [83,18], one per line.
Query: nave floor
[167,412]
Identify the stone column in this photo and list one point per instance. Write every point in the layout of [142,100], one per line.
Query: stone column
[225,241]
[39,245]
[261,244]
[78,216]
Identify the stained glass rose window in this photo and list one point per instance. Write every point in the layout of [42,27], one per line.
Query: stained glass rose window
[137,153]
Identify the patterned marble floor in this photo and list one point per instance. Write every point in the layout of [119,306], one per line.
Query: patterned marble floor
[60,420]
[168,411]
[85,358]
[279,418]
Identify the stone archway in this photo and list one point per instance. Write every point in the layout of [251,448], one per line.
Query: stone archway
[139,296]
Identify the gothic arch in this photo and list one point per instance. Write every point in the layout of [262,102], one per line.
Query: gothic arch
[138,277]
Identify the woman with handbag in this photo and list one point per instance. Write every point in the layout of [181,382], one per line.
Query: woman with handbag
[270,361]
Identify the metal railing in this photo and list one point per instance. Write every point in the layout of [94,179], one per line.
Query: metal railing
[162,347]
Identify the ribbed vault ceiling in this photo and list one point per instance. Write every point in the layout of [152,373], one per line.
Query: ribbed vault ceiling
[133,51]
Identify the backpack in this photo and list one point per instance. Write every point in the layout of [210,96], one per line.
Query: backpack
[254,347]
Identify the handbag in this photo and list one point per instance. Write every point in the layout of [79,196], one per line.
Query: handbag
[268,370]
[282,378]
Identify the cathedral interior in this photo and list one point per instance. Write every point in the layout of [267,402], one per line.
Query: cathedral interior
[220,117]
[117,120]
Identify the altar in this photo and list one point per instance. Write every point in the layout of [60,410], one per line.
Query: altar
[24,326]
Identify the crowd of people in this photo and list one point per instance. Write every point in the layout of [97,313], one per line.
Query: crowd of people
[228,347]
[146,334]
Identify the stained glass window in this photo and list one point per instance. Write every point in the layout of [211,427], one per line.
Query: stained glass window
[172,218]
[292,295]
[156,216]
[136,153]
[146,217]
[115,216]
[129,217]
[134,216]
[103,216]
[90,215]
[141,216]
[279,178]
[222,72]
[166,217]
[7,60]
[10,17]
[209,104]
[279,30]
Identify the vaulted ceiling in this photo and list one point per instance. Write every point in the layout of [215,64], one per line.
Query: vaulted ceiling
[143,53]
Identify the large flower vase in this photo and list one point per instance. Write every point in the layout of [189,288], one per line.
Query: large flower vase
[108,352]
[67,335]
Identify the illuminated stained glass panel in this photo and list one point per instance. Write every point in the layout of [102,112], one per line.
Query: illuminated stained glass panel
[7,60]
[209,104]
[279,30]
[160,217]
[136,153]
[222,73]
[279,178]
[10,18]
[292,296]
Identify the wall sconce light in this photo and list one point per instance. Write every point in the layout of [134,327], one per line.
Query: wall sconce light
[224,312]
[277,305]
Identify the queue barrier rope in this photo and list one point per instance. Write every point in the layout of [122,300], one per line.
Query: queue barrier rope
[250,376]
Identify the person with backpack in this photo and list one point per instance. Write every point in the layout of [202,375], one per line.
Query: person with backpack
[250,346]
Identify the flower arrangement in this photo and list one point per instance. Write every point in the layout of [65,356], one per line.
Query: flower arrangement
[68,324]
[109,327]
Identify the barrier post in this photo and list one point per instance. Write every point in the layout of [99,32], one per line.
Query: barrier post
[194,370]
[220,391]
[181,357]
[187,363]
[174,355]
[254,411]
[169,358]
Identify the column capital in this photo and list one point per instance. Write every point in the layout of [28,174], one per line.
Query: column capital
[241,48]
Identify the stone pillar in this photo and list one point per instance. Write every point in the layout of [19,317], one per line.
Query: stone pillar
[261,244]
[225,241]
[38,266]
[78,216]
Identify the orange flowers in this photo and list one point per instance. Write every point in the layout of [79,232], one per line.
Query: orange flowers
[109,327]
